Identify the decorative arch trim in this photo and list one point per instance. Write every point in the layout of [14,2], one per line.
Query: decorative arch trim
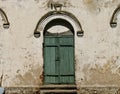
[113,21]
[69,17]
[6,23]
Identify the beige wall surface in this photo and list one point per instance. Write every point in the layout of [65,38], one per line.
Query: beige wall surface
[97,54]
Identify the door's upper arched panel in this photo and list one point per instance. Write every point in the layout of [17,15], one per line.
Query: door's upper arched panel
[58,22]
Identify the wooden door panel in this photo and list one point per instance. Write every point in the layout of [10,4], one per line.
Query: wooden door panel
[50,60]
[67,65]
[59,60]
[66,40]
[50,41]
[50,71]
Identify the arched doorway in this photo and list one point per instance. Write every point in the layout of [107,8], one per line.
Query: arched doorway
[59,65]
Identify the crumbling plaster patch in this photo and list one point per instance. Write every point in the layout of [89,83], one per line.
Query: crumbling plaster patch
[95,74]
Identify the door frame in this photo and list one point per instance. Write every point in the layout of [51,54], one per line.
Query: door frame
[73,57]
[65,24]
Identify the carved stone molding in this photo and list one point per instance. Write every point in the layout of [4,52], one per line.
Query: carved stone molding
[6,23]
[113,21]
[58,15]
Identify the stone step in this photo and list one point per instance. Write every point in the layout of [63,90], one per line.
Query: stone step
[58,87]
[58,91]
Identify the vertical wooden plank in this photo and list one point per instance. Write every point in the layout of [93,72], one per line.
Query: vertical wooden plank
[59,60]
[49,61]
[71,64]
[67,60]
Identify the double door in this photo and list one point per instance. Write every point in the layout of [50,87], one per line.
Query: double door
[59,65]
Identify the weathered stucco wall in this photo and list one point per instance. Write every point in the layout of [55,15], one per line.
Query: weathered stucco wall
[97,54]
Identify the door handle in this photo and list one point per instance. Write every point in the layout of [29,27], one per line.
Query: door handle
[57,59]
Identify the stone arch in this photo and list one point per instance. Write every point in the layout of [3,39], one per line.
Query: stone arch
[69,17]
[113,21]
[6,23]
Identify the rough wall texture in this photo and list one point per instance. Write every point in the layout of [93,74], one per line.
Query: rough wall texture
[97,53]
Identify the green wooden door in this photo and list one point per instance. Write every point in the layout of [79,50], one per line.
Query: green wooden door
[59,59]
